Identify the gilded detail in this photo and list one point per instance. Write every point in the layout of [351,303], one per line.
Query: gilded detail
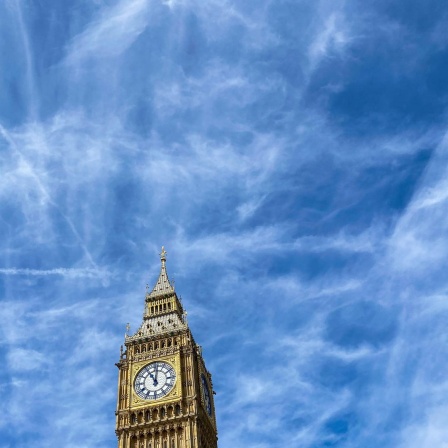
[165,393]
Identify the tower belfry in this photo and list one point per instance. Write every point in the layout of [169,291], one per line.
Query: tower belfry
[165,392]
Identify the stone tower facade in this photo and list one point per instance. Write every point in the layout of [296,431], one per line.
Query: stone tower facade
[165,392]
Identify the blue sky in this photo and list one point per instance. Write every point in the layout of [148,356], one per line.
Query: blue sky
[291,156]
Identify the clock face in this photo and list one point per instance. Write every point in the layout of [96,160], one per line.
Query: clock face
[155,380]
[207,399]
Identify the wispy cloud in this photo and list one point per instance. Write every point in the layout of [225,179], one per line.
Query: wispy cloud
[113,30]
[26,359]
[291,158]
[64,272]
[332,39]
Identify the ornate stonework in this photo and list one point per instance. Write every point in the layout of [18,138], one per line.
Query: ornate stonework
[165,392]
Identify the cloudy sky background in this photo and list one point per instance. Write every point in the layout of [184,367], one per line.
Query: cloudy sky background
[291,156]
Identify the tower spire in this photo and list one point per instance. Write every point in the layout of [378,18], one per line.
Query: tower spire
[163,285]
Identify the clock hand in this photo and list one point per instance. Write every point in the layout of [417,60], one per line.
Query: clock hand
[154,381]
[156,372]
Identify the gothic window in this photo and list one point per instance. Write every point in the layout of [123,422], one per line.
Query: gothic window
[177,409]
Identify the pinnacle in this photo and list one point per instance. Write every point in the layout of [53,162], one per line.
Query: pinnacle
[163,285]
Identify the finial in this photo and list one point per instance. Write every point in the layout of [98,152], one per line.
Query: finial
[163,256]
[127,328]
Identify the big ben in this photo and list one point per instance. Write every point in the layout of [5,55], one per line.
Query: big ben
[165,392]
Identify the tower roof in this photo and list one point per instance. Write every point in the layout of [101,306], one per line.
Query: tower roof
[163,285]
[160,316]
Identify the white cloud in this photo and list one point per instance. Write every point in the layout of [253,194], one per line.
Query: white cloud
[64,272]
[429,433]
[419,242]
[114,30]
[24,360]
[217,139]
[332,38]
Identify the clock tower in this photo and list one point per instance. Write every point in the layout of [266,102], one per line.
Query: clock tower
[165,392]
